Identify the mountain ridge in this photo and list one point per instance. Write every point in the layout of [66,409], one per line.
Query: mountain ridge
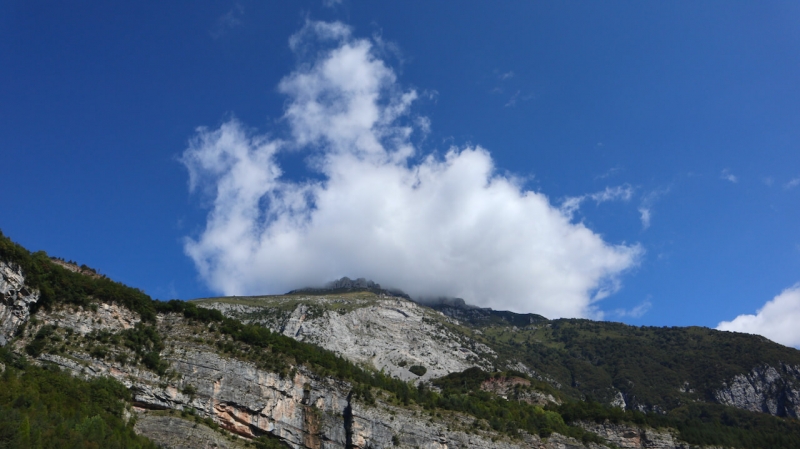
[254,386]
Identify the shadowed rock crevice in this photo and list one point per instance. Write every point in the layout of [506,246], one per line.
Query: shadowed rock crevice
[347,414]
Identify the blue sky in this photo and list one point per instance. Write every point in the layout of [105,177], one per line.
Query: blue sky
[685,114]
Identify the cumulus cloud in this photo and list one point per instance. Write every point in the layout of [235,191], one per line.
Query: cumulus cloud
[777,320]
[446,225]
[794,182]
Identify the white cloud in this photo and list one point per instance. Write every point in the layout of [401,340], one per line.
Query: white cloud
[516,97]
[617,193]
[430,225]
[645,216]
[793,183]
[636,312]
[728,176]
[777,320]
[646,206]
[611,172]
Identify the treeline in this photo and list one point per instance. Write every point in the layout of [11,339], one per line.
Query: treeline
[649,365]
[47,408]
[59,285]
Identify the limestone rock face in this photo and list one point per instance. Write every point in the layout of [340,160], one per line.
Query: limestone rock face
[768,389]
[509,388]
[630,437]
[391,334]
[107,317]
[176,433]
[302,409]
[15,301]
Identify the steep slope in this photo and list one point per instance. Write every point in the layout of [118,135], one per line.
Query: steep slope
[242,380]
[649,368]
[388,333]
[642,368]
[188,368]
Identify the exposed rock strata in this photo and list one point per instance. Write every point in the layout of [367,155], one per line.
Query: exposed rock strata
[107,317]
[304,410]
[630,437]
[764,389]
[389,334]
[176,433]
[15,301]
[515,388]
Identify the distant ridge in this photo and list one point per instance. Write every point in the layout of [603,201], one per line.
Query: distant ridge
[346,284]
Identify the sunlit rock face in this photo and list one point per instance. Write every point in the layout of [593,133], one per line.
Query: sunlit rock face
[768,389]
[298,406]
[390,334]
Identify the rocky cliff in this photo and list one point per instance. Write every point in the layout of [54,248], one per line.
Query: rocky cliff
[196,385]
[768,389]
[388,333]
[632,437]
[304,410]
[205,398]
[15,301]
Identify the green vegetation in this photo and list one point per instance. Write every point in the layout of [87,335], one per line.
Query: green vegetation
[46,408]
[418,370]
[268,442]
[701,424]
[649,365]
[589,359]
[278,353]
[59,285]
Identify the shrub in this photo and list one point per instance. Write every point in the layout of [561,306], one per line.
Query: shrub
[419,370]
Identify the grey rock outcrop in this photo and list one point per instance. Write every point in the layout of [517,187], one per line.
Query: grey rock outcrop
[768,389]
[390,334]
[630,437]
[15,301]
[302,409]
[177,433]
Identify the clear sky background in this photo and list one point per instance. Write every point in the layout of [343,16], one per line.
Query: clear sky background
[646,155]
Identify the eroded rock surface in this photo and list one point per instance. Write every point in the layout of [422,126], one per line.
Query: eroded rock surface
[764,389]
[391,334]
[302,409]
[176,433]
[15,301]
[630,437]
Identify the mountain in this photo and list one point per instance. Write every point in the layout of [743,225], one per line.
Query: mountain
[649,369]
[354,365]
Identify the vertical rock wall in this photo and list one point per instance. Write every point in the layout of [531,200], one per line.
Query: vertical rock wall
[15,301]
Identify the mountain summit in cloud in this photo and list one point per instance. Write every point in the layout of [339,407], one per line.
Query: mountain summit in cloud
[431,225]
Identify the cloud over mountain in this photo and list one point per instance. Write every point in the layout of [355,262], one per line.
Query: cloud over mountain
[777,320]
[377,208]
